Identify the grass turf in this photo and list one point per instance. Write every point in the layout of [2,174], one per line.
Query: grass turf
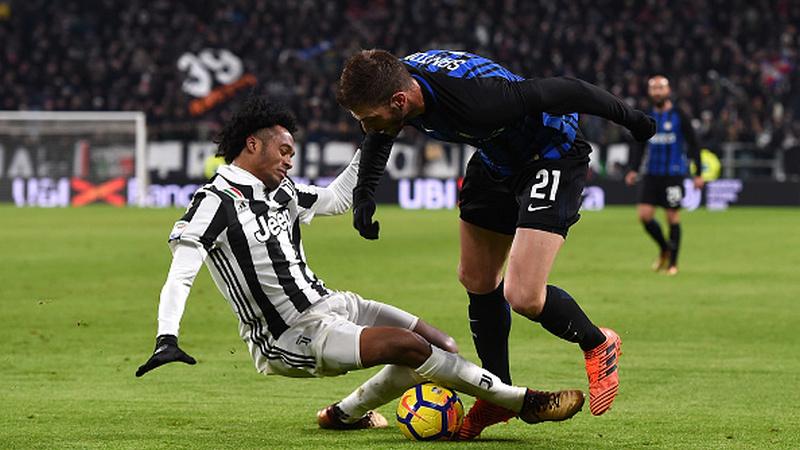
[710,356]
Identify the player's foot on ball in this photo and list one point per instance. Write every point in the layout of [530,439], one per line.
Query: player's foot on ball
[661,262]
[601,368]
[540,406]
[672,271]
[330,418]
[481,415]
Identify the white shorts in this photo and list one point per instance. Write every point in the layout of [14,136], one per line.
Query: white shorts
[325,339]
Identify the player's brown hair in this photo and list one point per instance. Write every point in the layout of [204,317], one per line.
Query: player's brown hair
[370,78]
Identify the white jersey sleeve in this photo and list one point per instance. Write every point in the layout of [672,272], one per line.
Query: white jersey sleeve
[190,240]
[332,200]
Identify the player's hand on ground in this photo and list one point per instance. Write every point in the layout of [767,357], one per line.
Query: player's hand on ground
[644,127]
[363,210]
[630,177]
[166,351]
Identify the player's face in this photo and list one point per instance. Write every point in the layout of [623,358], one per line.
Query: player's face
[658,90]
[273,153]
[387,118]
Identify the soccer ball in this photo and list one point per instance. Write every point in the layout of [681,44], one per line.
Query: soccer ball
[429,412]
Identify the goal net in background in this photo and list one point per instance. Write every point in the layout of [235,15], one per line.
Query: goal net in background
[54,158]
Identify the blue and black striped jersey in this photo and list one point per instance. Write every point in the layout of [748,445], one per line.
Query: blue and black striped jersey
[512,120]
[669,150]
[502,147]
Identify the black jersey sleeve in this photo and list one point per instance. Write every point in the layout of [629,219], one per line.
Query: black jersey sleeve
[692,146]
[375,150]
[562,95]
[635,155]
[497,101]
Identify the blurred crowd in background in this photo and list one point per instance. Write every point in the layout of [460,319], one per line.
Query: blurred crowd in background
[732,63]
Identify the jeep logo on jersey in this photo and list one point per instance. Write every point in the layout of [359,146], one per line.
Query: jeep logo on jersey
[273,223]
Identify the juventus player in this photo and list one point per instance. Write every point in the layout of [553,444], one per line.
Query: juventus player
[245,225]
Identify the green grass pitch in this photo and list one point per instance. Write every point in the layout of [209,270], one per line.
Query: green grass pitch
[710,357]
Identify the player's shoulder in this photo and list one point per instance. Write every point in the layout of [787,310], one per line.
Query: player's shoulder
[455,64]
[223,190]
[284,195]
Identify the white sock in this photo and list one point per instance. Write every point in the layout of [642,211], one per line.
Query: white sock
[383,387]
[456,372]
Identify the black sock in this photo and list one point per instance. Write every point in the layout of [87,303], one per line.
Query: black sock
[654,230]
[562,317]
[490,322]
[674,243]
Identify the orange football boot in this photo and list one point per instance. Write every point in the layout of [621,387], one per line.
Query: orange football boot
[601,367]
[481,415]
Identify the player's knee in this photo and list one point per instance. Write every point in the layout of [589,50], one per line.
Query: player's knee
[477,281]
[409,349]
[526,302]
[449,344]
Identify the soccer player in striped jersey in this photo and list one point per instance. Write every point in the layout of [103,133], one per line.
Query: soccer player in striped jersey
[668,152]
[245,226]
[521,192]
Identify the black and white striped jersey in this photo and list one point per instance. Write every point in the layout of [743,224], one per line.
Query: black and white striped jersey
[249,238]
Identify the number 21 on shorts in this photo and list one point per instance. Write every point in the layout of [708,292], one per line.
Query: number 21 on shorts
[543,179]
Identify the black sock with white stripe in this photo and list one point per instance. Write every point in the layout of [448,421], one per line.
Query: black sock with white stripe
[564,318]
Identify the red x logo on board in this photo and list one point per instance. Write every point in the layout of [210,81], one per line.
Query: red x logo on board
[89,193]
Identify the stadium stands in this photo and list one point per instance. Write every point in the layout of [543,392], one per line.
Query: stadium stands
[732,63]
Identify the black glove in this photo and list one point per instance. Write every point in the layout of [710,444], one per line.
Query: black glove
[363,210]
[166,351]
[644,128]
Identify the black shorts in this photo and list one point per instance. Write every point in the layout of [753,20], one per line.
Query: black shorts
[660,190]
[545,195]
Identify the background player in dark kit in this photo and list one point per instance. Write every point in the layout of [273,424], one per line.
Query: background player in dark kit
[666,168]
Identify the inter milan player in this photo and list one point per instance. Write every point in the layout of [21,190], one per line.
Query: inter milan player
[521,191]
[245,225]
[667,166]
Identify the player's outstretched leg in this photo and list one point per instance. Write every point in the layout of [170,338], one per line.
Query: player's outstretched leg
[529,405]
[355,412]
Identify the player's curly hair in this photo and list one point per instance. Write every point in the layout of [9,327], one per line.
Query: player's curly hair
[370,78]
[256,113]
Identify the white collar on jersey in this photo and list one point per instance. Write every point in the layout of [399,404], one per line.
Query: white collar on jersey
[240,176]
[273,198]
